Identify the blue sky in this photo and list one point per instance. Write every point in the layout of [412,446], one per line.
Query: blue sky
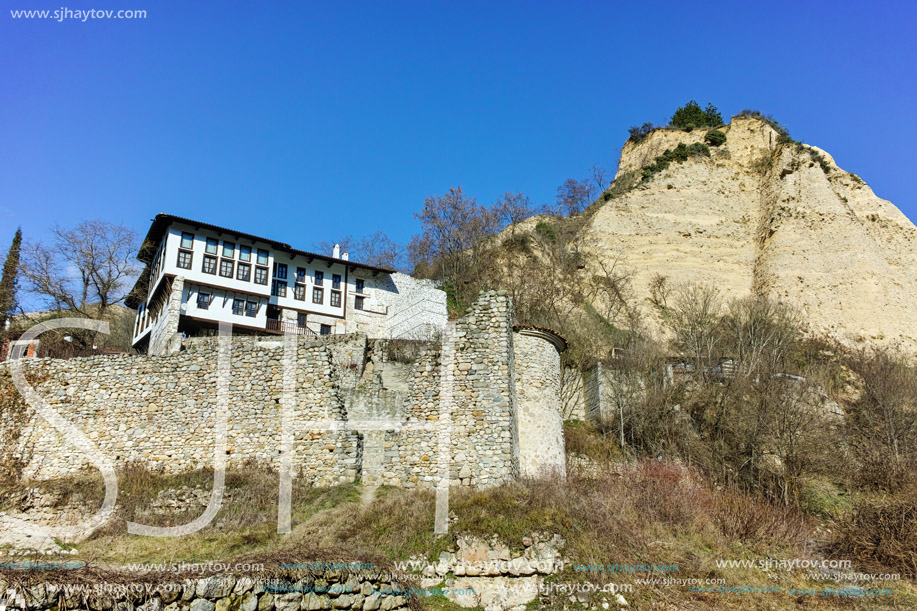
[304,121]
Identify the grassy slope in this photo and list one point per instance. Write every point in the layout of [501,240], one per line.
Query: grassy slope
[609,512]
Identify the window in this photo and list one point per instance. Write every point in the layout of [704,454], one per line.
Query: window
[299,292]
[279,288]
[229,250]
[238,307]
[360,285]
[262,257]
[301,320]
[280,270]
[260,275]
[211,246]
[203,301]
[325,330]
[187,240]
[244,272]
[210,265]
[319,278]
[251,309]
[245,253]
[226,268]
[335,281]
[335,299]
[184,259]
[301,275]
[358,303]
[318,295]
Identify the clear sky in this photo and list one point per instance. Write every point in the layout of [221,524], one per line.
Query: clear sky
[303,121]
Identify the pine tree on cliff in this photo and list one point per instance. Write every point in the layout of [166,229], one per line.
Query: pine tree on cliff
[9,282]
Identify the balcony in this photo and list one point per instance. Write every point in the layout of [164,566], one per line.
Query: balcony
[280,326]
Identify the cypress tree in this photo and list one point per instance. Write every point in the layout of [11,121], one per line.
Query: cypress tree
[9,282]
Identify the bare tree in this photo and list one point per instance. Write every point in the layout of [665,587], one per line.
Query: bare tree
[452,226]
[574,196]
[883,419]
[326,247]
[85,270]
[378,249]
[513,208]
[692,313]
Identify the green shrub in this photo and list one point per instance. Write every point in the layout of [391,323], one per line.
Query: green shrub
[715,138]
[699,149]
[691,115]
[679,154]
[546,230]
[637,134]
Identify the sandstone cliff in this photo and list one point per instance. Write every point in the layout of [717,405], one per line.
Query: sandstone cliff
[768,217]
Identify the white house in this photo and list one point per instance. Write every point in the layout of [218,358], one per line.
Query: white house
[198,275]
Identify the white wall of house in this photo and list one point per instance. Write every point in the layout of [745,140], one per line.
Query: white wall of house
[336,292]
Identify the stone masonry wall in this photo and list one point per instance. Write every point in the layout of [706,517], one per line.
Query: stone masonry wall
[541,435]
[366,590]
[163,335]
[160,411]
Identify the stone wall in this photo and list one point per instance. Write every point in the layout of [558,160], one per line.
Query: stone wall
[366,590]
[399,306]
[161,411]
[165,329]
[537,380]
[362,408]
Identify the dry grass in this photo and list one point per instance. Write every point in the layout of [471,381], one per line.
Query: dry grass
[881,533]
[643,512]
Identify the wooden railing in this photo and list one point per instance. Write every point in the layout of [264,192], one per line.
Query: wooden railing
[280,326]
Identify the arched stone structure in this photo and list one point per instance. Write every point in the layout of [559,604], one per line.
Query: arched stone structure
[539,418]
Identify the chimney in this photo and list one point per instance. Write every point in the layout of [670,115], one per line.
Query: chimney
[345,256]
[336,251]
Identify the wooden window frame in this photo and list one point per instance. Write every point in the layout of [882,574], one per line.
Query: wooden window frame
[232,268]
[182,252]
[209,259]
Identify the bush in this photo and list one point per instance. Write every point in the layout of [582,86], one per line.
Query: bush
[715,138]
[546,230]
[679,154]
[882,533]
[691,115]
[637,134]
[699,149]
